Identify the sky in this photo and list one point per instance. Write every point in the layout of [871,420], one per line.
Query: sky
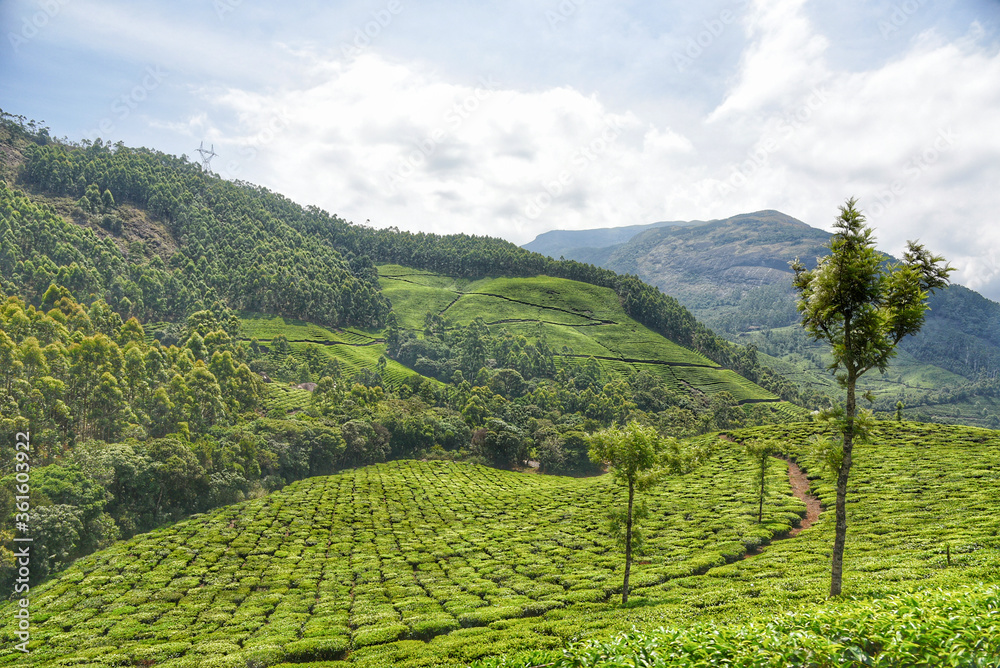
[512,118]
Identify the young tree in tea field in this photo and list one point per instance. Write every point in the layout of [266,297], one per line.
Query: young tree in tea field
[638,457]
[863,308]
[760,452]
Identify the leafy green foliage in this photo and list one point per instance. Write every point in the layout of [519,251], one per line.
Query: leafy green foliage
[760,452]
[638,457]
[863,311]
[76,374]
[936,628]
[217,228]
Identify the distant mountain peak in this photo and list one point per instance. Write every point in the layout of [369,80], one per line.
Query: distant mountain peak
[593,245]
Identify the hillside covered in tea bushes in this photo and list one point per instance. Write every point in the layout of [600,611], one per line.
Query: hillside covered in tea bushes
[263,435]
[440,563]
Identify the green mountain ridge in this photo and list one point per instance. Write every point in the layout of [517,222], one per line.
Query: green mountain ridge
[733,274]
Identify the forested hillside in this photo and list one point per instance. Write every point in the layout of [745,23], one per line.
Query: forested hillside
[190,238]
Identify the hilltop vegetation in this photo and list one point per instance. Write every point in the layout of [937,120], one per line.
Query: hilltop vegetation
[193,239]
[439,563]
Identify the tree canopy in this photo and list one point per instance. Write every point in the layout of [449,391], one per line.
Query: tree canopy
[862,307]
[638,456]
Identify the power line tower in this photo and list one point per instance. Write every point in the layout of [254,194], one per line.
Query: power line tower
[206,156]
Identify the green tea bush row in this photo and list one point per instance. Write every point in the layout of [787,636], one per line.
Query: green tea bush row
[937,628]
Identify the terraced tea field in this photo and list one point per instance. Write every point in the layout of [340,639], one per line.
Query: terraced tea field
[355,350]
[437,563]
[579,320]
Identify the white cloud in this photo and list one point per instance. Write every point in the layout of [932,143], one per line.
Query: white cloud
[783,61]
[412,140]
[391,143]
[400,144]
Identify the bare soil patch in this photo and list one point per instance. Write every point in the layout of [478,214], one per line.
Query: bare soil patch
[800,488]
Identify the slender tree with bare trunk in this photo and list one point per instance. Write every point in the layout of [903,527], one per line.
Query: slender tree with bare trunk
[863,306]
[639,457]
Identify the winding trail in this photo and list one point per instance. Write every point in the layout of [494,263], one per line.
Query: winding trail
[636,360]
[320,342]
[800,488]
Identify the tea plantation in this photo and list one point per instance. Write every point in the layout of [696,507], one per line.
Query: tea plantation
[579,320]
[414,563]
